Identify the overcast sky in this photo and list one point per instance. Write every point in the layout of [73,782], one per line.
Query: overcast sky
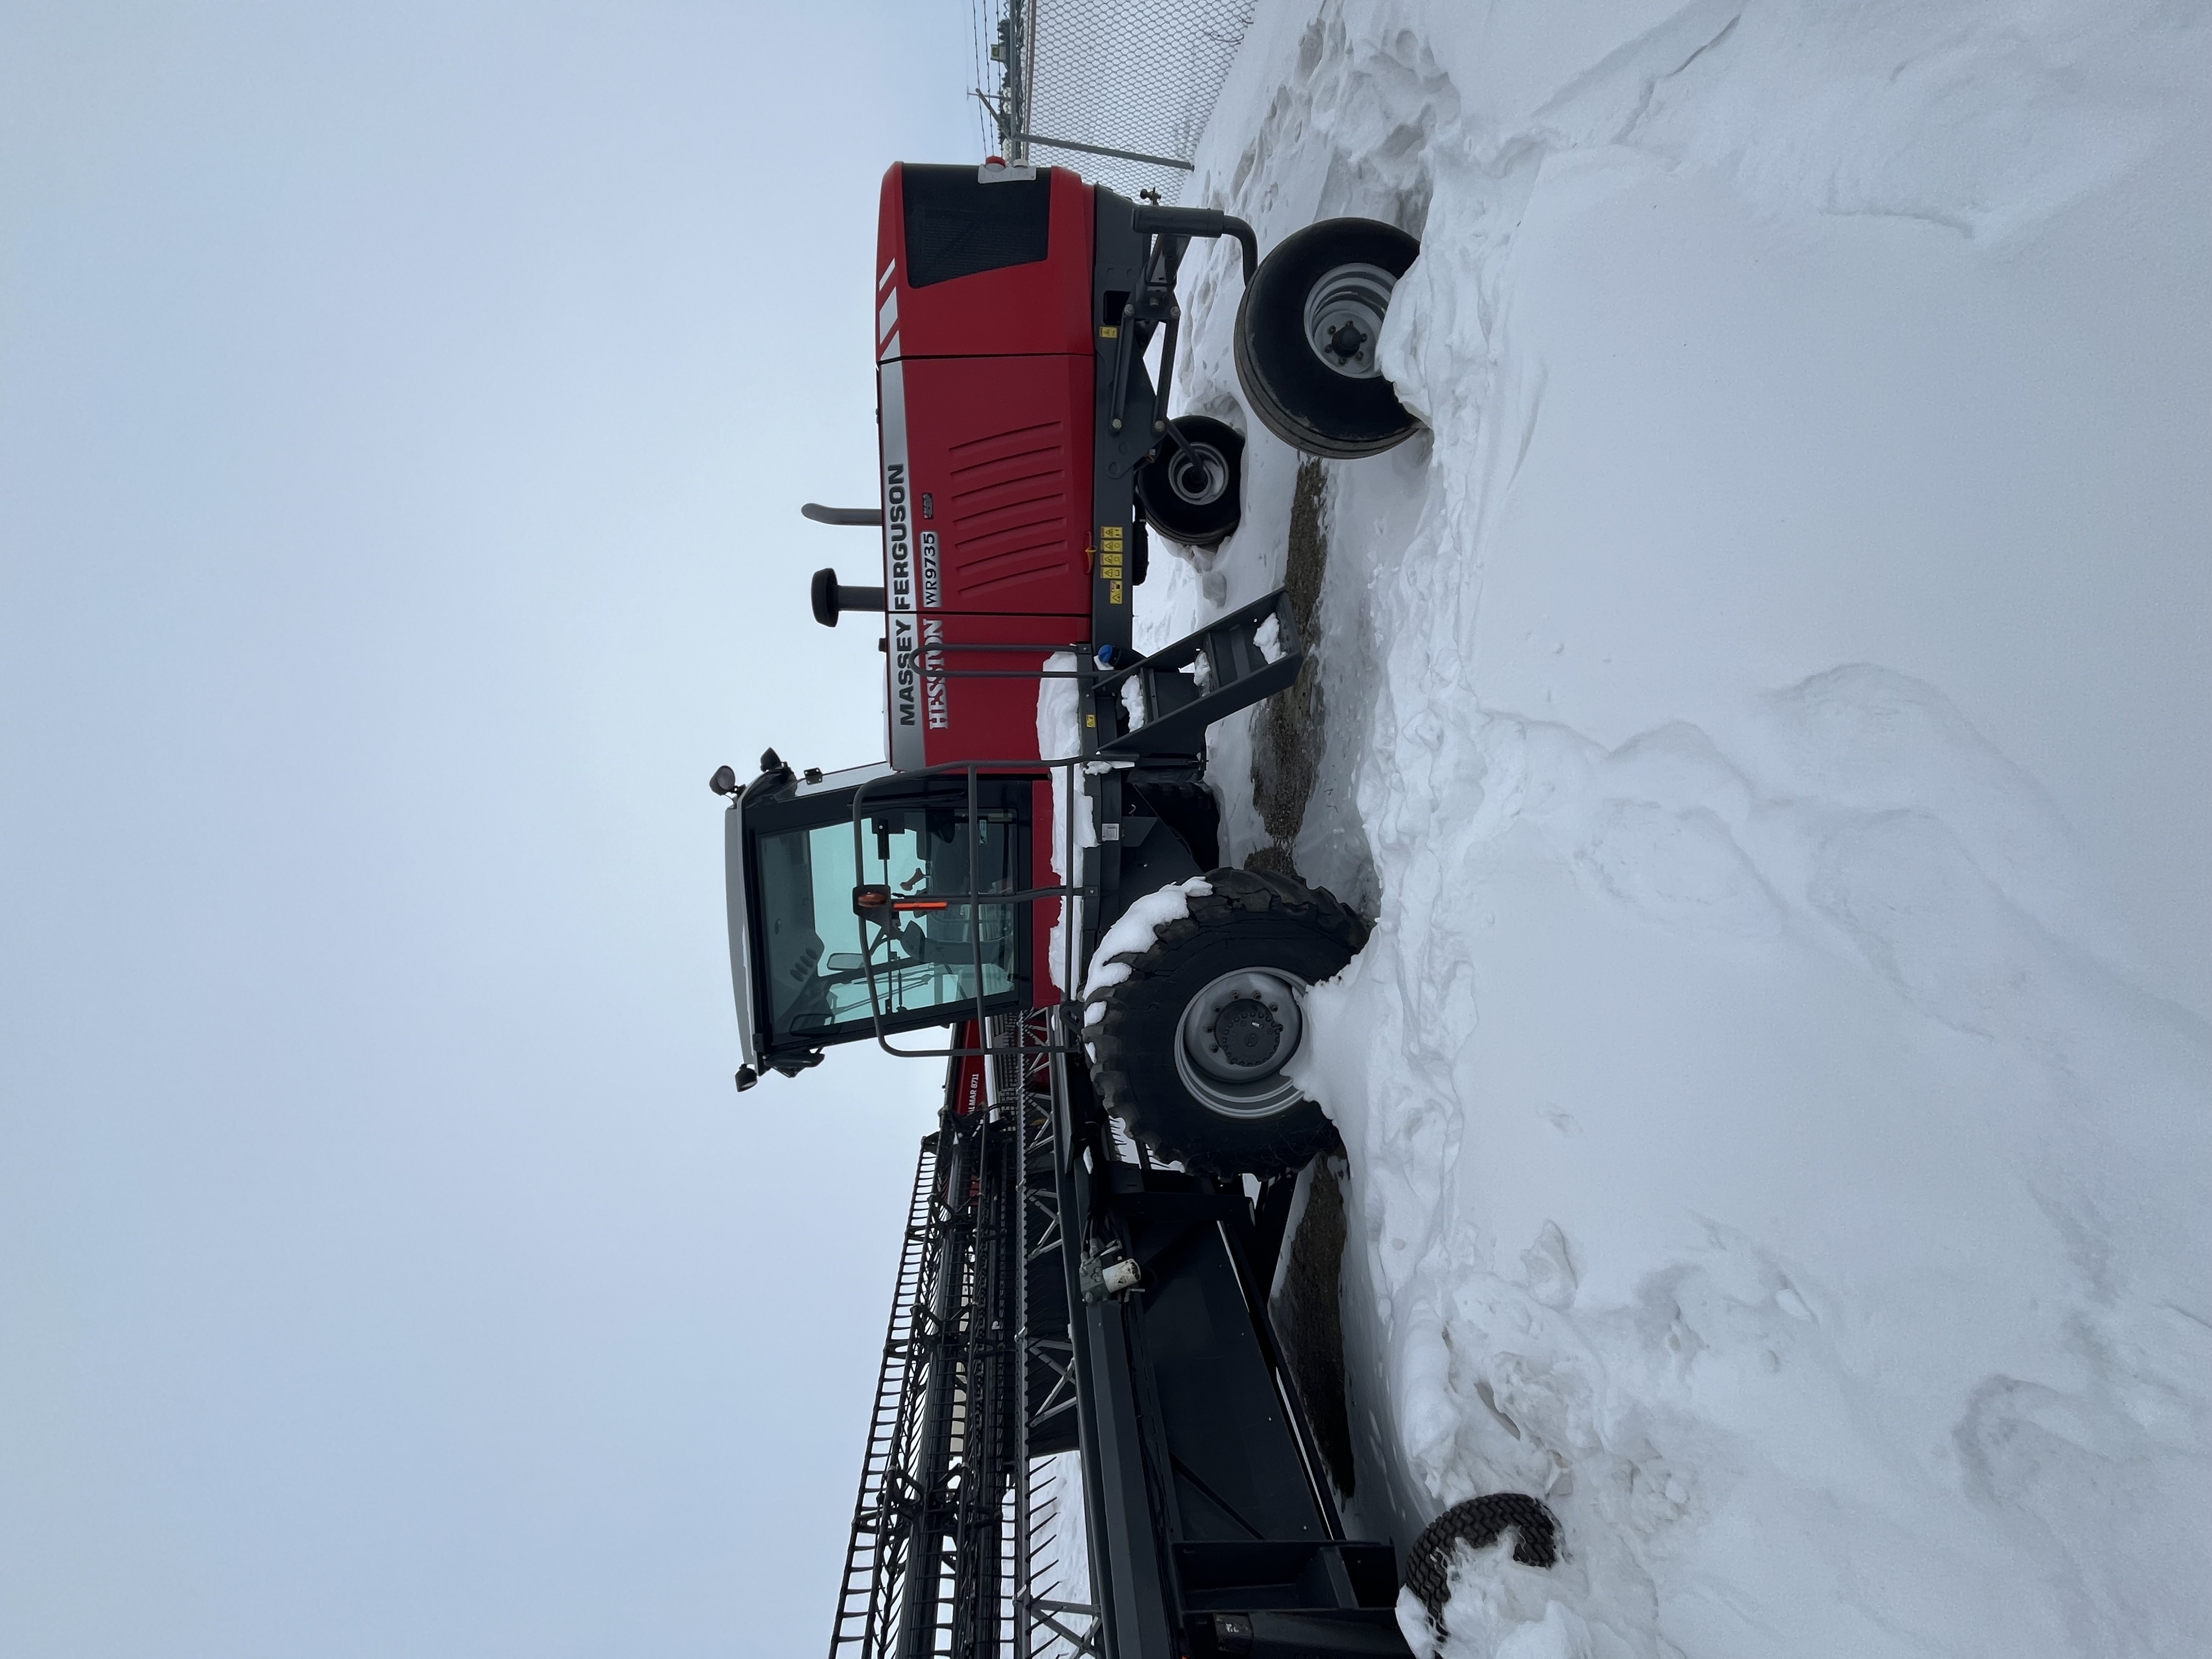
[404,414]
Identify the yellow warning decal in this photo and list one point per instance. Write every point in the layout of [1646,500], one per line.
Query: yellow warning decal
[1113,592]
[1109,538]
[1110,331]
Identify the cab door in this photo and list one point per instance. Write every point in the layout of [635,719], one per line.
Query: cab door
[924,948]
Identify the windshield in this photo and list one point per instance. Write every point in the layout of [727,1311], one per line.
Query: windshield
[925,957]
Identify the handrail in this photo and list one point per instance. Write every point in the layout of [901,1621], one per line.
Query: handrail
[1070,893]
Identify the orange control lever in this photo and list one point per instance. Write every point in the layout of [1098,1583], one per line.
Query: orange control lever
[876,896]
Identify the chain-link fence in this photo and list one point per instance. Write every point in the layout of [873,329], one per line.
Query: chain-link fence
[1120,90]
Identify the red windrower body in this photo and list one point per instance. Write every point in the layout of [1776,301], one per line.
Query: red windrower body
[986,389]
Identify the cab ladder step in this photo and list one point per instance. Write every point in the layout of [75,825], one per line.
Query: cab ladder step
[1180,698]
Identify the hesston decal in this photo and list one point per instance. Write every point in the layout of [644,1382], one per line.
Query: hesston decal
[935,691]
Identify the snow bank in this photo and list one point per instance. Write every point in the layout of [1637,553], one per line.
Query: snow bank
[1060,736]
[1770,711]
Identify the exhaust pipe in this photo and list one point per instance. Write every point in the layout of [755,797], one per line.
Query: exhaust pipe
[852,515]
[832,599]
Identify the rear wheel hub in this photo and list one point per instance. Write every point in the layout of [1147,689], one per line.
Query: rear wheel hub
[1198,474]
[1234,1039]
[1246,1033]
[1343,318]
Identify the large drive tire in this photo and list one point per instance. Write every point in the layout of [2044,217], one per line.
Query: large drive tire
[1193,492]
[1306,334]
[1187,1051]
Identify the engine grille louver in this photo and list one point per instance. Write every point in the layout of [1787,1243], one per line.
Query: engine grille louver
[1009,511]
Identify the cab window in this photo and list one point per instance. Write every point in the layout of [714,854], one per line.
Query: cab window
[923,954]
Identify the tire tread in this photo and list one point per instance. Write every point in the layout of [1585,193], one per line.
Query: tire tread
[1156,1123]
[1477,1523]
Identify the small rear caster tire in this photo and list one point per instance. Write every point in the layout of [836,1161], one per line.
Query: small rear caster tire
[1188,1051]
[1477,1523]
[1193,490]
[1306,334]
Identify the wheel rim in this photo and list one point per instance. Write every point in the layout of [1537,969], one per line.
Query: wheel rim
[1234,1039]
[1343,318]
[1197,474]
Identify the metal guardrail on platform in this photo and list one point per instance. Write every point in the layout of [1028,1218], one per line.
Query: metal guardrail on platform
[961,1548]
[1119,90]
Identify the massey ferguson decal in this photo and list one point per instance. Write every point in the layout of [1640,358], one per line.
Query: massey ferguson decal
[919,691]
[905,703]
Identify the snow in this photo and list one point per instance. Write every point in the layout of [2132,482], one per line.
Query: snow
[1059,1552]
[1060,736]
[1133,934]
[1766,717]
[1133,700]
[1268,636]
